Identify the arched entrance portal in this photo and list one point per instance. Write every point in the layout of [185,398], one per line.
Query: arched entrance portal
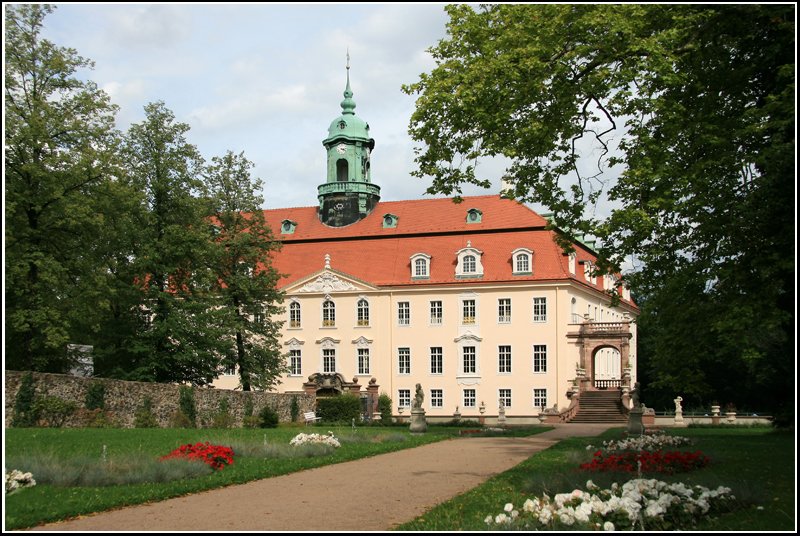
[607,368]
[604,350]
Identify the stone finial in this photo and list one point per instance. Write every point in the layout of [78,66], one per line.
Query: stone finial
[327,261]
[469,243]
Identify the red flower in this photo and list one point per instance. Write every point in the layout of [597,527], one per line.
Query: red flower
[215,456]
[671,462]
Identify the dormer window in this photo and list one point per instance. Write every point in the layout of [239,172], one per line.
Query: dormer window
[288,226]
[469,262]
[389,221]
[420,266]
[587,272]
[572,257]
[474,215]
[521,259]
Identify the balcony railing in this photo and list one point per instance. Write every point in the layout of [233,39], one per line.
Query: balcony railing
[608,384]
[605,327]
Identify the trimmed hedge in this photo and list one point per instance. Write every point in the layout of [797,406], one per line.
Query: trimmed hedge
[343,408]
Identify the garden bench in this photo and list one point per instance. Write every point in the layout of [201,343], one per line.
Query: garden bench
[311,417]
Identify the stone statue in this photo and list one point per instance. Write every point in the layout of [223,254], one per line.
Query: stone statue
[418,397]
[635,395]
[678,408]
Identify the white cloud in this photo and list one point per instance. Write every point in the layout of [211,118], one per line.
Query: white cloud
[151,26]
[250,108]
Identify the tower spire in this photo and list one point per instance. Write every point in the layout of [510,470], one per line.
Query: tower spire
[348,104]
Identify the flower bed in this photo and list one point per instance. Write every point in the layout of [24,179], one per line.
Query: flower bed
[17,480]
[215,456]
[647,462]
[646,442]
[644,504]
[307,439]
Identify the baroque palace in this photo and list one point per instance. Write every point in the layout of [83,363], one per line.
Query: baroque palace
[474,301]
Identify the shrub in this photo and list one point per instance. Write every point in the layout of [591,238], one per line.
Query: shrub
[95,396]
[268,418]
[95,418]
[53,411]
[179,420]
[24,414]
[248,407]
[143,416]
[343,408]
[385,408]
[187,407]
[223,418]
[251,421]
[294,409]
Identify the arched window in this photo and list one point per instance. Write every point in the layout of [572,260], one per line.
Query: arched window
[420,268]
[341,170]
[522,261]
[328,314]
[469,264]
[294,315]
[363,312]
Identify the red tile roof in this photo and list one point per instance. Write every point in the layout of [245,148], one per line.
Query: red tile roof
[437,227]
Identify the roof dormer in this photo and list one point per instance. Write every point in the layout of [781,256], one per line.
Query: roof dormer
[522,261]
[474,215]
[469,263]
[288,226]
[420,266]
[390,221]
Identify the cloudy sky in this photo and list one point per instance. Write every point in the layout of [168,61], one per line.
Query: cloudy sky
[266,79]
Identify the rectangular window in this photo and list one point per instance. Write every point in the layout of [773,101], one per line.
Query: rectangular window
[504,359]
[540,358]
[295,363]
[259,317]
[230,370]
[505,397]
[404,398]
[540,398]
[328,360]
[436,360]
[468,308]
[469,398]
[469,360]
[436,312]
[362,312]
[540,309]
[504,310]
[404,361]
[403,313]
[363,360]
[437,400]
[523,264]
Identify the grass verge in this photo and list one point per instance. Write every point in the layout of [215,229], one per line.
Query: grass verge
[757,463]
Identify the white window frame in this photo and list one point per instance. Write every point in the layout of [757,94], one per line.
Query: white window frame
[404,361]
[540,397]
[469,397]
[437,402]
[504,397]
[295,362]
[423,261]
[363,353]
[362,312]
[472,356]
[540,309]
[440,358]
[404,313]
[404,398]
[295,315]
[328,313]
[467,320]
[517,255]
[539,358]
[327,355]
[503,310]
[476,270]
[436,320]
[504,359]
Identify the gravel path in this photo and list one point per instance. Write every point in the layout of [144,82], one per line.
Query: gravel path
[370,494]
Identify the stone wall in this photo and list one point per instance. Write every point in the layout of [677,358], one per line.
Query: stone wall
[122,398]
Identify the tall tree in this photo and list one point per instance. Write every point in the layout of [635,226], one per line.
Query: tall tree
[695,103]
[178,339]
[246,281]
[59,146]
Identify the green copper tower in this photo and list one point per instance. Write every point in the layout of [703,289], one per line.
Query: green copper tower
[348,195]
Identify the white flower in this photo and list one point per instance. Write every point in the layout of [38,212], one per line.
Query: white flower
[566,518]
[545,516]
[608,525]
[501,518]
[591,486]
[16,480]
[508,507]
[529,506]
[488,520]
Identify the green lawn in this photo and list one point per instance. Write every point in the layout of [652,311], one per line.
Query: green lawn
[757,463]
[113,446]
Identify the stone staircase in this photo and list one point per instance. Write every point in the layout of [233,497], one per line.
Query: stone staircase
[600,407]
